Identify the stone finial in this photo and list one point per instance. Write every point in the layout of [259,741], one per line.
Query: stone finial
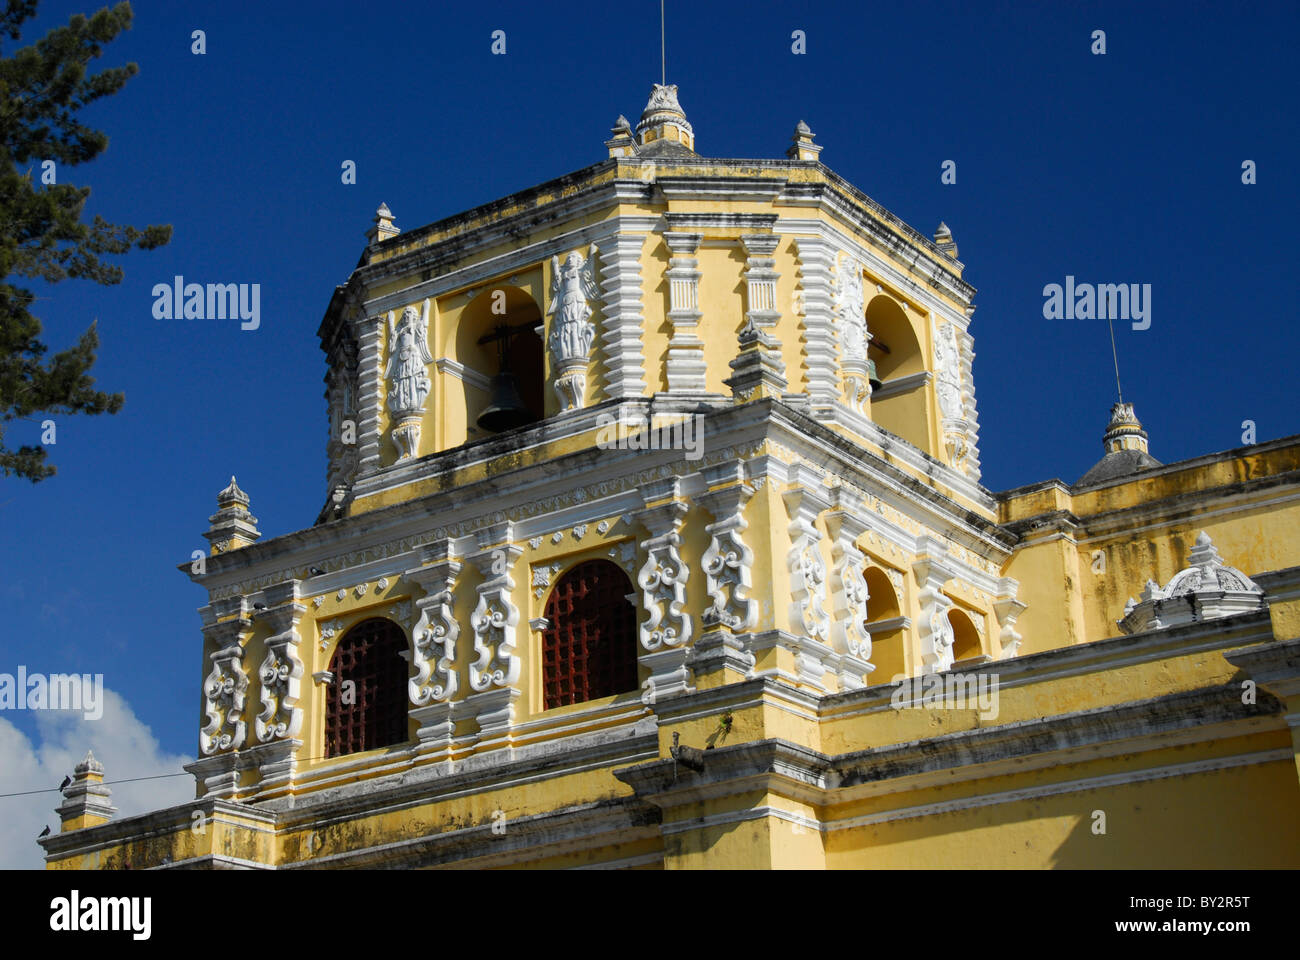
[1206,589]
[802,147]
[621,144]
[383,227]
[664,119]
[232,526]
[944,241]
[86,799]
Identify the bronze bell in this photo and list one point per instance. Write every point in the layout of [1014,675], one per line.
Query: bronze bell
[505,409]
[872,377]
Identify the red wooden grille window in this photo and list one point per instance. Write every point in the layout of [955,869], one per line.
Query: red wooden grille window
[369,655]
[589,649]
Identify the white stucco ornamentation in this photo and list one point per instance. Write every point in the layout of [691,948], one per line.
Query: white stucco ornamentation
[436,631]
[1007,608]
[935,629]
[851,321]
[281,674]
[408,383]
[808,616]
[573,284]
[224,689]
[662,579]
[849,636]
[667,632]
[495,618]
[1205,590]
[728,561]
[948,388]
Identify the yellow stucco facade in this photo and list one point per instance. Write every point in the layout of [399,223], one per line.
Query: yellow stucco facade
[849,652]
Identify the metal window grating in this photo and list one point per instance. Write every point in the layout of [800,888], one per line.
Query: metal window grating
[589,650]
[370,656]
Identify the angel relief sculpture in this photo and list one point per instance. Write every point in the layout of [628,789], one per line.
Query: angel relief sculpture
[573,284]
[408,384]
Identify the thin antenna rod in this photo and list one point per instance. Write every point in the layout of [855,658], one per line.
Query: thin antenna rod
[1113,354]
[663,53]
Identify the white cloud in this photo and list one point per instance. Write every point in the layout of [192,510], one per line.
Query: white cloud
[125,746]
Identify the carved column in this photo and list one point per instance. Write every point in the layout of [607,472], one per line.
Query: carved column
[1007,608]
[494,674]
[816,263]
[849,636]
[948,389]
[686,366]
[932,572]
[280,721]
[809,621]
[434,647]
[666,633]
[624,319]
[727,563]
[572,332]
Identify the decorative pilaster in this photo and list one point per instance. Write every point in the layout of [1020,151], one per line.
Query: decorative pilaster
[666,633]
[809,620]
[281,671]
[760,279]
[1007,608]
[686,366]
[932,572]
[970,465]
[816,264]
[494,674]
[849,636]
[434,643]
[948,369]
[624,320]
[850,313]
[225,687]
[728,564]
[369,337]
[341,399]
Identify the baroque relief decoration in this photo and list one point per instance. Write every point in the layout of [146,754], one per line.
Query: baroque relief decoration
[1206,589]
[667,630]
[281,671]
[850,314]
[935,629]
[849,636]
[495,618]
[804,501]
[948,388]
[224,688]
[727,561]
[573,284]
[436,631]
[408,383]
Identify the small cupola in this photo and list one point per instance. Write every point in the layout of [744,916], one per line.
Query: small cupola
[663,128]
[1126,448]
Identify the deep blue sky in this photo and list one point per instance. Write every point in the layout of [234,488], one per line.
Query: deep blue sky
[1117,168]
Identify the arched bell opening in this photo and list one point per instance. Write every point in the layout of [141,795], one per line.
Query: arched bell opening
[899,403]
[884,623]
[497,341]
[965,638]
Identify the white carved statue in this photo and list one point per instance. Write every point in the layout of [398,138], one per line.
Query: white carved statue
[948,374]
[408,355]
[572,285]
[853,324]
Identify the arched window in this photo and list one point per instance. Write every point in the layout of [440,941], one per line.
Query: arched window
[589,648]
[365,704]
[965,638]
[886,642]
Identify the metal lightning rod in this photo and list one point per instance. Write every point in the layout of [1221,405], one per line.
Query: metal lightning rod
[663,53]
[1113,354]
